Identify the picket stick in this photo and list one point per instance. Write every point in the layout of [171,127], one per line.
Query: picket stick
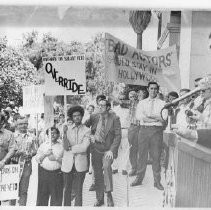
[37,129]
[49,136]
[65,108]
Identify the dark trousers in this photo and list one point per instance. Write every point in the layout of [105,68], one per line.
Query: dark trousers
[50,185]
[78,179]
[24,183]
[150,139]
[103,174]
[133,143]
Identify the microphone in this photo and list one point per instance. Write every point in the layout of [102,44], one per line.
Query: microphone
[174,102]
[204,83]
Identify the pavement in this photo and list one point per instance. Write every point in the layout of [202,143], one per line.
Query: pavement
[144,195]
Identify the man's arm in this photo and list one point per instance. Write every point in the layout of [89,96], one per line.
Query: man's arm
[157,116]
[41,155]
[57,154]
[66,143]
[88,122]
[11,149]
[81,148]
[118,135]
[185,132]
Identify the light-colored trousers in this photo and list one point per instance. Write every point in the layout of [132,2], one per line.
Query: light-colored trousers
[122,162]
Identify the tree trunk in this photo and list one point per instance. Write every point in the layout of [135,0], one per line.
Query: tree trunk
[139,41]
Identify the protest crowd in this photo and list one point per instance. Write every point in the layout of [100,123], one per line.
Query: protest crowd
[101,138]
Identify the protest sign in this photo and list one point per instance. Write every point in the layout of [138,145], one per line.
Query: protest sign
[9,182]
[133,66]
[65,75]
[33,102]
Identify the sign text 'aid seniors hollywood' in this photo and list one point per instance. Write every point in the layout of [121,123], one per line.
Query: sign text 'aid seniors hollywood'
[133,66]
[65,75]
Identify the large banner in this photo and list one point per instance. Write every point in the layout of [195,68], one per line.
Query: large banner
[33,100]
[9,182]
[129,65]
[65,75]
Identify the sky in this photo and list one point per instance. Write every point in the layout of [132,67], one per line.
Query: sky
[72,24]
[68,34]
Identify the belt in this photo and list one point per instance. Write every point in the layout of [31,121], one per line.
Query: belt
[134,124]
[151,126]
[51,171]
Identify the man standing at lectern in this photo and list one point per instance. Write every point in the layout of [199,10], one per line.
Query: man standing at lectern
[202,135]
[150,136]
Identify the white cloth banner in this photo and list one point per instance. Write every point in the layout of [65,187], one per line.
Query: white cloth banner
[33,100]
[65,75]
[9,182]
[126,64]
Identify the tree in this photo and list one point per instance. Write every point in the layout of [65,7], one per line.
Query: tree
[139,20]
[50,46]
[16,71]
[34,50]
[95,67]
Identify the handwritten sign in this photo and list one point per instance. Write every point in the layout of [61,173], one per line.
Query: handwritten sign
[9,182]
[132,66]
[33,102]
[65,75]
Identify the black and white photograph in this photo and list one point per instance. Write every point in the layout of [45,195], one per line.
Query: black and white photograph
[105,106]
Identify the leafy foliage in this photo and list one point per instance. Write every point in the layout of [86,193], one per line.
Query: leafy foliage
[23,66]
[15,71]
[50,46]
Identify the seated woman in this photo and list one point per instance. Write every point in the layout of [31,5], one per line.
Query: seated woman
[50,178]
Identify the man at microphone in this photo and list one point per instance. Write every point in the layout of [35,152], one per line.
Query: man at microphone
[202,135]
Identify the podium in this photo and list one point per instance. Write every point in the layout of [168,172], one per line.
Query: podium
[188,173]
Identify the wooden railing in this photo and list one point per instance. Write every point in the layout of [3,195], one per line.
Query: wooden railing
[189,173]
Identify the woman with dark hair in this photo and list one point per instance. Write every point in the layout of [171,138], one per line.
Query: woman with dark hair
[50,179]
